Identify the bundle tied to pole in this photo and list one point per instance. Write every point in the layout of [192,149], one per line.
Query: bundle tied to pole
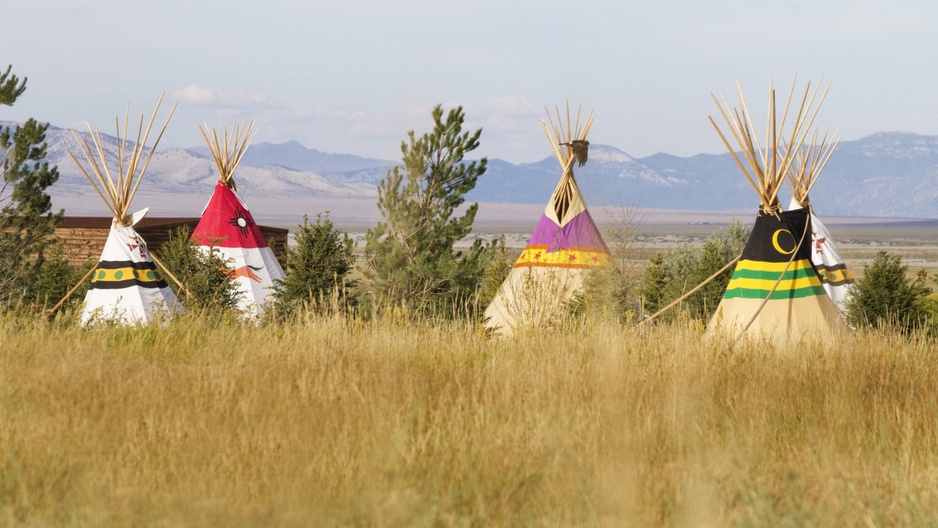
[568,144]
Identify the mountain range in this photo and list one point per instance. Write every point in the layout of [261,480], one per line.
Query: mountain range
[888,174]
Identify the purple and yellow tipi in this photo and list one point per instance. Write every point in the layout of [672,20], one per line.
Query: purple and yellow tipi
[564,246]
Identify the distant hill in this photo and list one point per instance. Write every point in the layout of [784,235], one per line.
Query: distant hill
[174,173]
[890,174]
[293,155]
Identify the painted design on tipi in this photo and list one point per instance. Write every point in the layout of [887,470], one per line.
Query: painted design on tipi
[775,292]
[564,245]
[773,256]
[228,227]
[126,286]
[574,245]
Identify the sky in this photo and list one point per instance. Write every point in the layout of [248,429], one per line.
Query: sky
[354,76]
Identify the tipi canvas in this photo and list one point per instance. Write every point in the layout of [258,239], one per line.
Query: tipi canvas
[564,246]
[775,292]
[228,227]
[126,286]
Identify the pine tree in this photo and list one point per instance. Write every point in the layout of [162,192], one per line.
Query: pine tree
[654,285]
[25,219]
[411,255]
[886,296]
[709,261]
[56,278]
[317,265]
[672,274]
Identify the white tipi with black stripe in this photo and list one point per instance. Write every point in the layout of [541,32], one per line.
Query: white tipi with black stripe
[126,286]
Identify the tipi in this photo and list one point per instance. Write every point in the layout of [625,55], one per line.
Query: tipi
[774,292]
[830,266]
[228,227]
[565,244]
[126,286]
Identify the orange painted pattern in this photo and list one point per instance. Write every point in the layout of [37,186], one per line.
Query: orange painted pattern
[537,255]
[243,271]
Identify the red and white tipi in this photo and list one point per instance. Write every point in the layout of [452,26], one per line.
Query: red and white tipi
[228,227]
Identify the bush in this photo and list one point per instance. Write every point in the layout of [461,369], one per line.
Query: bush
[317,267]
[655,286]
[55,278]
[675,272]
[26,218]
[886,296]
[495,273]
[206,276]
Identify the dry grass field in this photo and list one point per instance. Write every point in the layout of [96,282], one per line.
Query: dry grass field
[328,422]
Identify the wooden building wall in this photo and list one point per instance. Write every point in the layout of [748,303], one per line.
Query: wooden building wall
[83,237]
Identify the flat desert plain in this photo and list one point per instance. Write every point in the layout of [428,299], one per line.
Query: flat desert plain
[640,233]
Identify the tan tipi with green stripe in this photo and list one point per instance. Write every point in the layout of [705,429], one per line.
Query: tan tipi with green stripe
[775,292]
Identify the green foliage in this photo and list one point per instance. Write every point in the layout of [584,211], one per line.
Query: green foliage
[677,271]
[613,293]
[10,87]
[886,296]
[709,260]
[495,273]
[654,289]
[317,266]
[56,277]
[25,219]
[609,293]
[206,275]
[411,256]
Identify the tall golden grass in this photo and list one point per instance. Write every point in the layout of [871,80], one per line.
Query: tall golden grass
[327,422]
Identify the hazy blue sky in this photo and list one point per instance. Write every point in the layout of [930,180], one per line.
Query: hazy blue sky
[353,76]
